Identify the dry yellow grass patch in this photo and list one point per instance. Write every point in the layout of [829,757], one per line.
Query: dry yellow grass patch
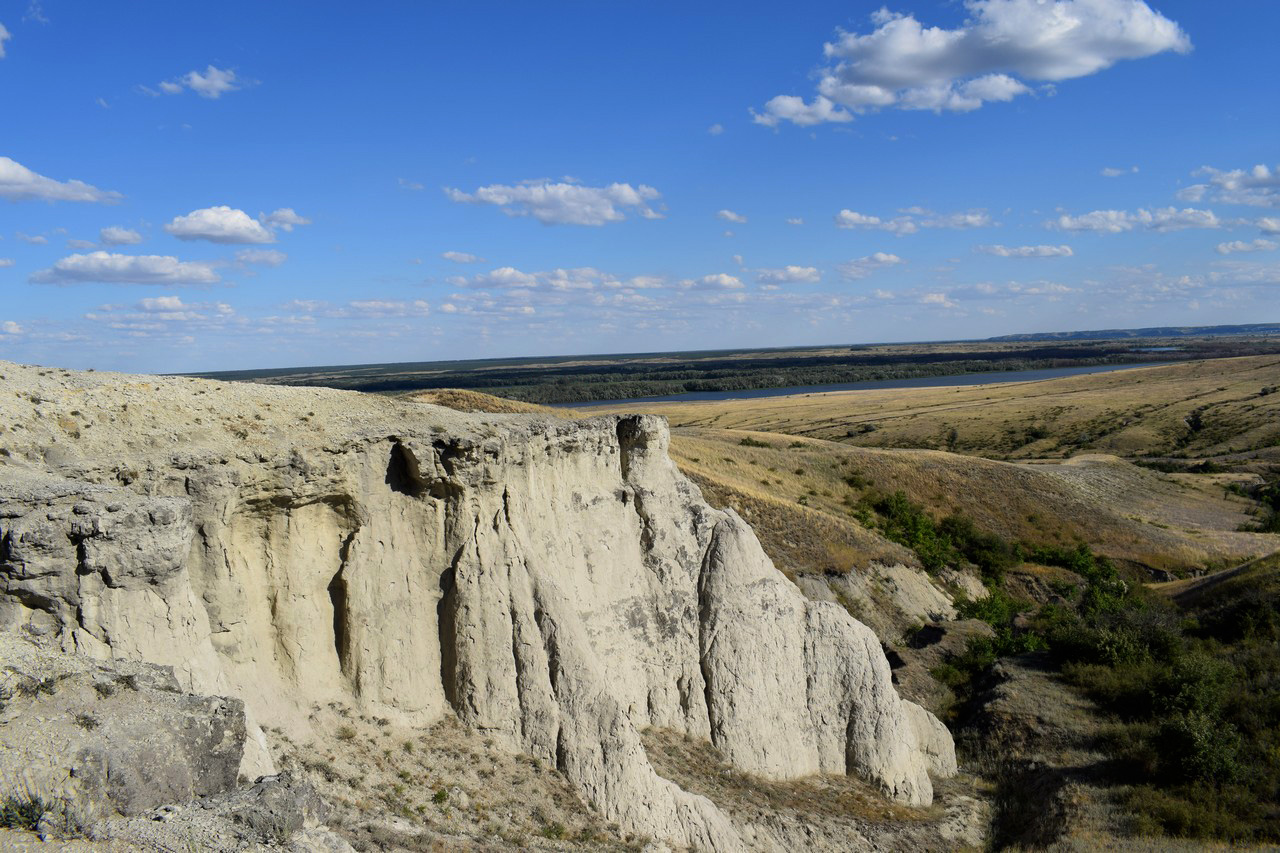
[1121,510]
[463,400]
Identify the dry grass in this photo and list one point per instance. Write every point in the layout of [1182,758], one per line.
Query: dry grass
[696,766]
[443,788]
[1143,411]
[799,495]
[821,813]
[463,400]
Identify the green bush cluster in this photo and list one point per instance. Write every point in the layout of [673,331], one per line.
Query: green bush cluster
[1197,697]
[950,541]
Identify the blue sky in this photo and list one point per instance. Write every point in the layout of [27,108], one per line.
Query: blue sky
[269,184]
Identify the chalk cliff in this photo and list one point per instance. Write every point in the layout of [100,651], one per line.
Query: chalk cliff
[556,584]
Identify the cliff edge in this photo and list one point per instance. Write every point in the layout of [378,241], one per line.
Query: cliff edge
[557,585]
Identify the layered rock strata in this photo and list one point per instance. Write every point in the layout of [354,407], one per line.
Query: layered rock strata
[556,584]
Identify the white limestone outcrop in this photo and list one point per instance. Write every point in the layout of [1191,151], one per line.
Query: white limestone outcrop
[556,584]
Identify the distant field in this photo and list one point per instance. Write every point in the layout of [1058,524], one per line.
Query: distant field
[588,378]
[1227,409]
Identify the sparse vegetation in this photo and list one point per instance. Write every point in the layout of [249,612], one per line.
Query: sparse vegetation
[21,811]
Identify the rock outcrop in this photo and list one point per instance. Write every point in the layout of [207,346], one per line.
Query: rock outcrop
[116,753]
[556,584]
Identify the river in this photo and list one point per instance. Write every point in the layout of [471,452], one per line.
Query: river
[875,384]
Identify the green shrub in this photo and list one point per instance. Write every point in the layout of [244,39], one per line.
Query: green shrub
[21,811]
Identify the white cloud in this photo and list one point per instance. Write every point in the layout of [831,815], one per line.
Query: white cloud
[407,184]
[940,299]
[1257,187]
[461,257]
[968,219]
[503,277]
[1026,251]
[1269,224]
[909,224]
[730,216]
[33,239]
[715,281]
[81,244]
[793,109]
[261,257]
[4,36]
[283,218]
[18,183]
[860,268]
[716,129]
[211,83]
[1113,172]
[1117,221]
[111,268]
[114,235]
[904,64]
[383,308]
[852,219]
[1258,245]
[221,224]
[794,220]
[565,202]
[9,327]
[161,303]
[6,262]
[788,274]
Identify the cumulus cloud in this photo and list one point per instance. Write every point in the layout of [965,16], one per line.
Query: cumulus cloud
[852,219]
[716,129]
[283,218]
[1269,224]
[730,216]
[565,202]
[261,257]
[792,108]
[715,281]
[6,262]
[81,244]
[4,36]
[461,257]
[788,274]
[940,299]
[902,63]
[1236,246]
[860,268]
[382,308]
[18,183]
[211,83]
[794,220]
[33,239]
[1113,172]
[9,327]
[221,224]
[502,277]
[110,268]
[114,235]
[1026,251]
[1118,221]
[1256,187]
[913,219]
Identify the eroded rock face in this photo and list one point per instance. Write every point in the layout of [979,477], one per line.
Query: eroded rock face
[556,584]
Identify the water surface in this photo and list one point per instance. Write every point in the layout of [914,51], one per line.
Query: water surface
[865,385]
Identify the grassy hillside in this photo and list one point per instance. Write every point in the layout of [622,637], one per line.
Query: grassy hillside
[1147,518]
